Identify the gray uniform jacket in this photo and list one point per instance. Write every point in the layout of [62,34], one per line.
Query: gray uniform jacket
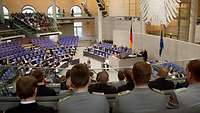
[189,97]
[141,100]
[83,103]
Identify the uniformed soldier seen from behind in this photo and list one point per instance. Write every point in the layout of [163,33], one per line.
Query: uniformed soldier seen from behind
[81,101]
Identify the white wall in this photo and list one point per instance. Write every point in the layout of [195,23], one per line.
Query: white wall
[119,23]
[175,50]
[108,26]
[126,25]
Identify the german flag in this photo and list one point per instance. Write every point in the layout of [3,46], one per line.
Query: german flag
[131,37]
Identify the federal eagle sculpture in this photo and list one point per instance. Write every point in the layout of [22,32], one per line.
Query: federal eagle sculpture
[159,12]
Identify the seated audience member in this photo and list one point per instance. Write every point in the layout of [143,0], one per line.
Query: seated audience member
[66,88]
[102,85]
[26,89]
[129,82]
[161,83]
[145,55]
[82,101]
[97,78]
[121,78]
[42,89]
[89,63]
[190,97]
[182,85]
[92,77]
[141,99]
[65,84]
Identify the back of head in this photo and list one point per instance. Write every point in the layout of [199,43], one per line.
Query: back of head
[121,75]
[97,77]
[68,73]
[163,72]
[38,74]
[80,75]
[128,74]
[26,86]
[194,69]
[141,72]
[103,77]
[91,74]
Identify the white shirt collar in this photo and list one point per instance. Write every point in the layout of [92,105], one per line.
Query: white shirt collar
[142,86]
[194,85]
[27,102]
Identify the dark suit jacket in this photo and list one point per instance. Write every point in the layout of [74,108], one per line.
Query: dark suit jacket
[63,86]
[182,85]
[102,88]
[128,86]
[42,90]
[30,108]
[161,84]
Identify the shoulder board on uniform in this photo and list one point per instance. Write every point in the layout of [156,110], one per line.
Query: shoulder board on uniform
[97,93]
[158,91]
[178,91]
[63,99]
[124,93]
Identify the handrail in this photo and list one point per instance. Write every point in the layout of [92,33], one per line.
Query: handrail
[9,33]
[47,68]
[25,23]
[22,29]
[110,68]
[68,14]
[10,30]
[0,38]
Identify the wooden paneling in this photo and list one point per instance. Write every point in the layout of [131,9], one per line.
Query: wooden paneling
[179,26]
[124,7]
[199,9]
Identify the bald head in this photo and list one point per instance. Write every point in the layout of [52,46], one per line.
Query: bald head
[163,72]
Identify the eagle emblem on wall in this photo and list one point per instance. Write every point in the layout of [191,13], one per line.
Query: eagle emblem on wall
[159,12]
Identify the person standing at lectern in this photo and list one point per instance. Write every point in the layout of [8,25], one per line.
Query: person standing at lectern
[145,55]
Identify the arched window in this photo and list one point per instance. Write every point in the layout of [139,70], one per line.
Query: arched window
[50,11]
[5,12]
[28,9]
[76,11]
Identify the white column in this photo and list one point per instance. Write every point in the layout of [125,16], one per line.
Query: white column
[54,9]
[100,33]
[193,20]
[1,12]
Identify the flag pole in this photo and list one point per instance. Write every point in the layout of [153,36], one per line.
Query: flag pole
[161,34]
